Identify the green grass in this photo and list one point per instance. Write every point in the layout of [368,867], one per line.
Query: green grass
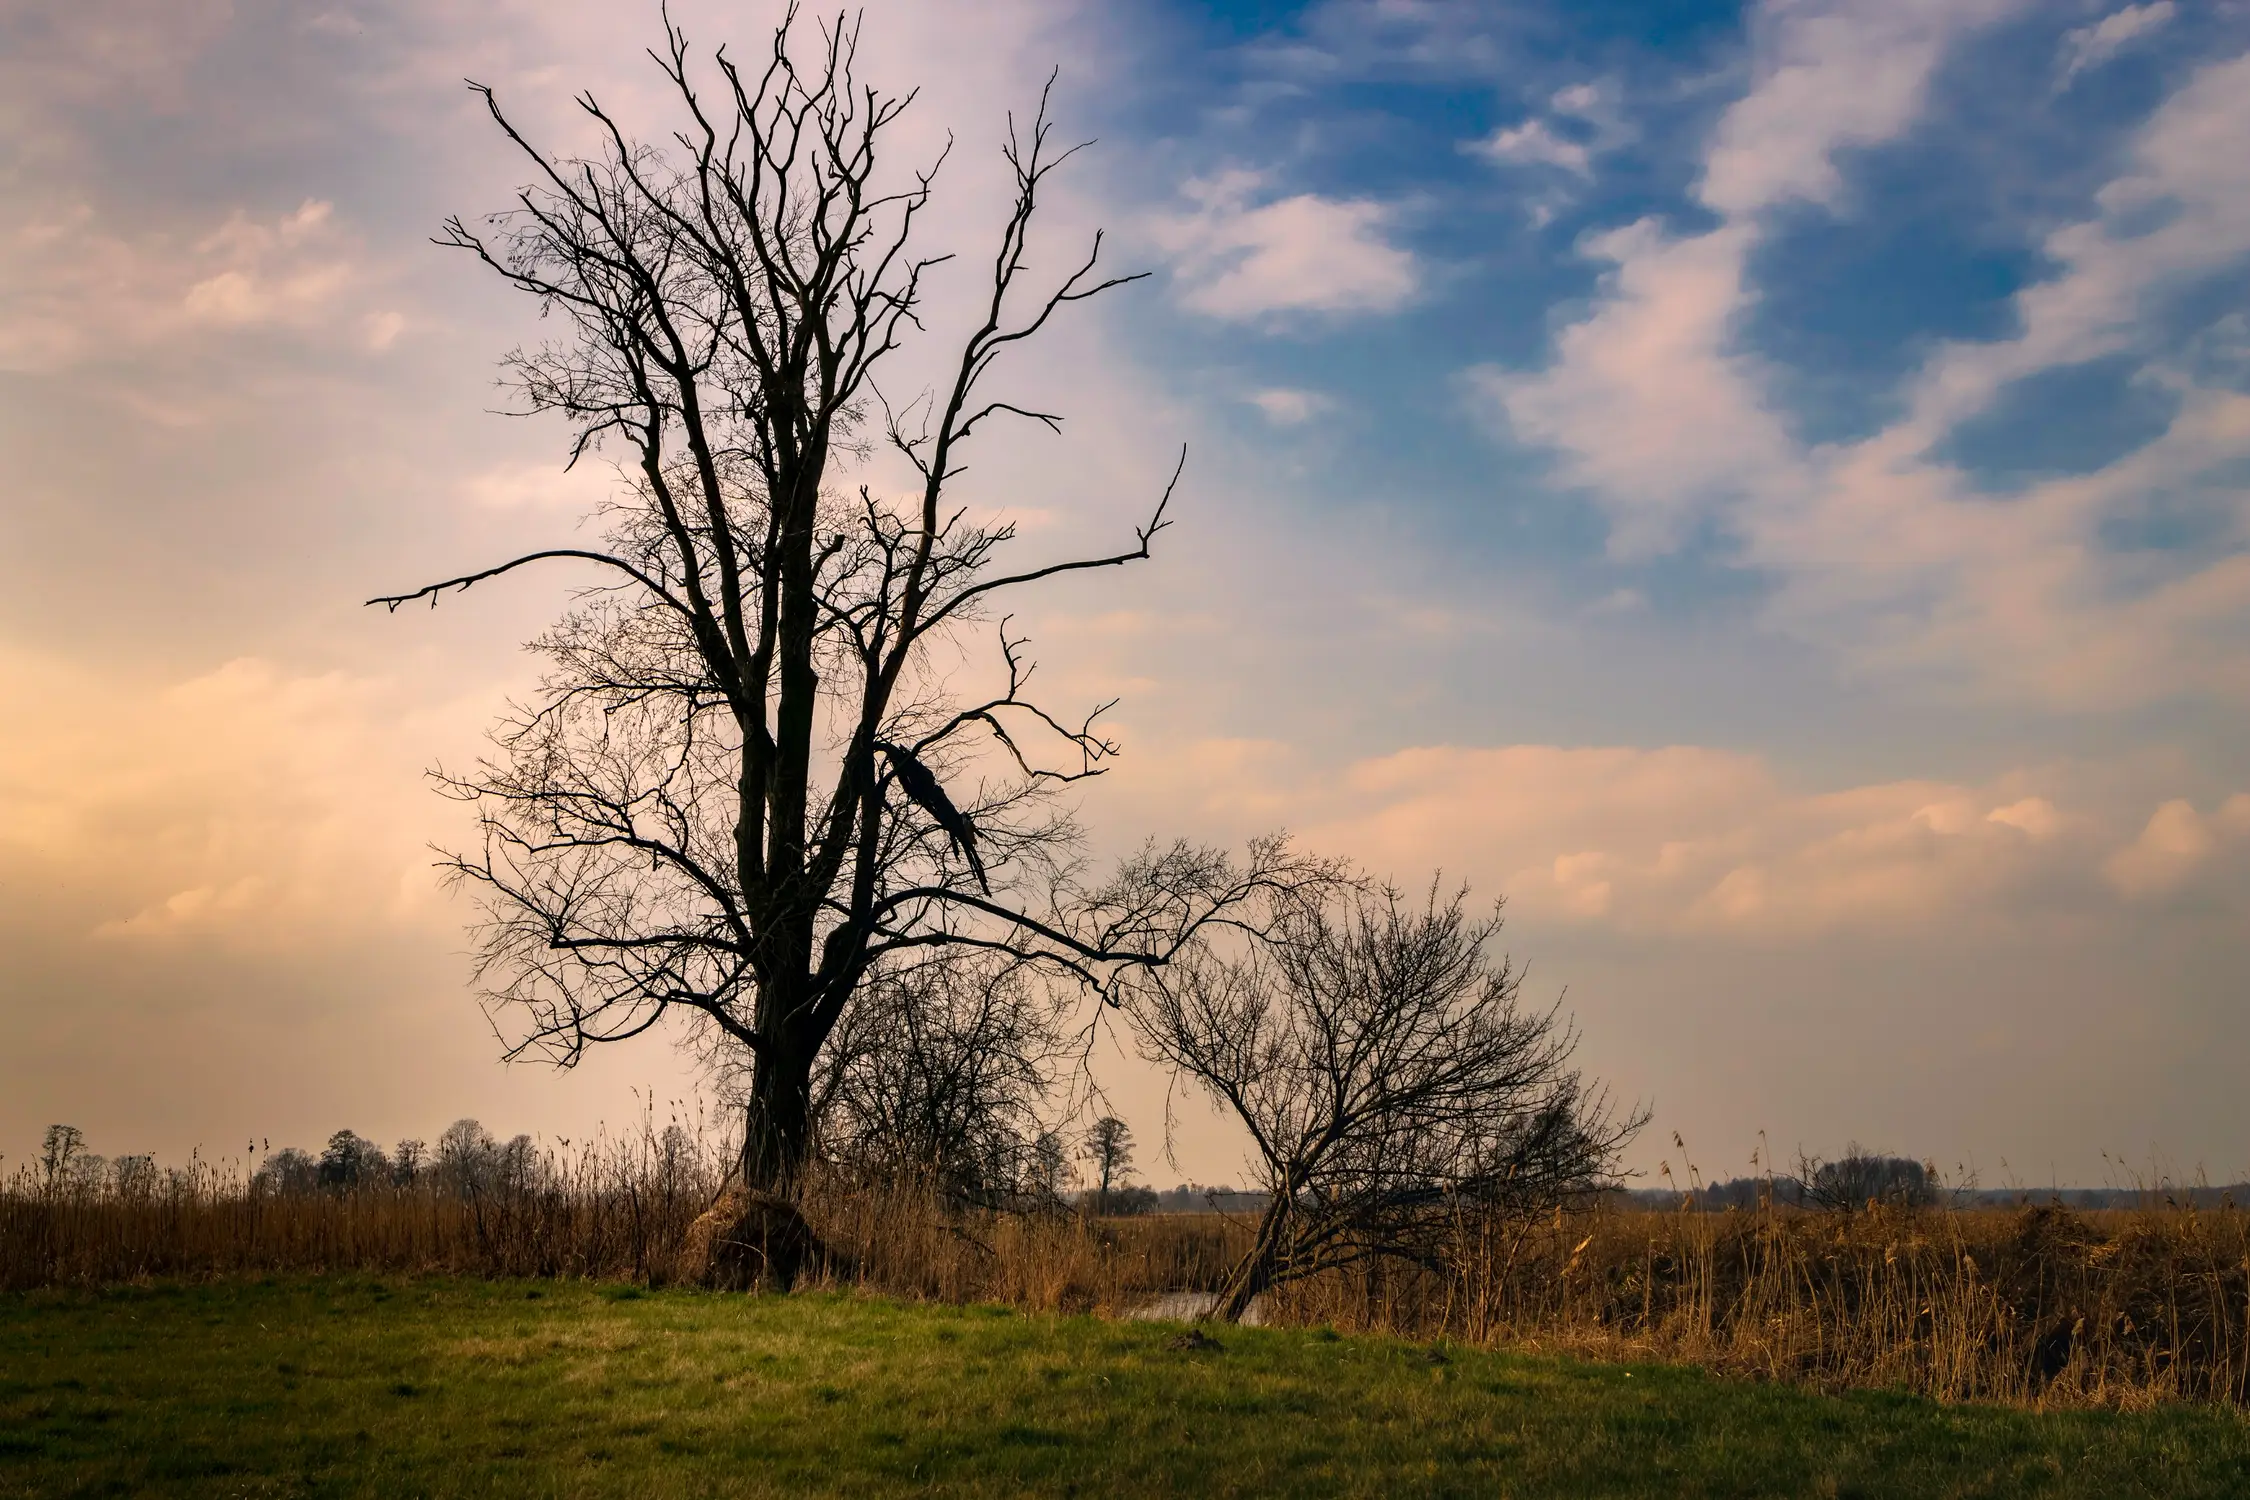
[358,1387]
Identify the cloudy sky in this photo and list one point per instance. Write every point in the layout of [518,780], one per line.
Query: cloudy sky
[1764,487]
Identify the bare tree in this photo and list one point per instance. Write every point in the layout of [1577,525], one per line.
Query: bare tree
[289,1171]
[466,1160]
[1047,1170]
[1861,1178]
[1389,1079]
[134,1179]
[1109,1151]
[938,1072]
[59,1153]
[742,783]
[352,1161]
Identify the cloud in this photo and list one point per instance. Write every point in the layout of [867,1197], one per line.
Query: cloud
[2179,210]
[543,486]
[1240,258]
[2090,46]
[91,52]
[1535,143]
[1583,122]
[1831,75]
[284,809]
[1884,546]
[1287,407]
[72,290]
[1687,840]
[265,281]
[1644,401]
[2175,846]
[1706,844]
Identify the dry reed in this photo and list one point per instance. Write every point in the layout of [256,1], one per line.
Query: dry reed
[2036,1305]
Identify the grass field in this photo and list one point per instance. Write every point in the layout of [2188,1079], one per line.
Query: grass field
[353,1386]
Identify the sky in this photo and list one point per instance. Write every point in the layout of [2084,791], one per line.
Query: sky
[1764,487]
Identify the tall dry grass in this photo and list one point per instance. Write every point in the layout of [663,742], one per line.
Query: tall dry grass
[615,1210]
[2038,1305]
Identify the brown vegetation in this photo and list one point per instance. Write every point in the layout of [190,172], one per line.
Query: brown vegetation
[2035,1304]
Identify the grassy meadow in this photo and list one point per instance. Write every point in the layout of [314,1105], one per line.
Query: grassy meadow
[206,1333]
[2040,1305]
[354,1385]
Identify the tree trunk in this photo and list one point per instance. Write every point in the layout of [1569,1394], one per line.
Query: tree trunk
[777,1125]
[1256,1272]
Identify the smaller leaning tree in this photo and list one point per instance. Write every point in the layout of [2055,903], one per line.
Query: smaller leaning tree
[1388,1076]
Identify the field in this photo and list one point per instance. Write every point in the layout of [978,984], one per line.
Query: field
[2037,1306]
[349,1385]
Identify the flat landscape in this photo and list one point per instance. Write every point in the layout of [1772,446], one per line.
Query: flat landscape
[738,737]
[360,1386]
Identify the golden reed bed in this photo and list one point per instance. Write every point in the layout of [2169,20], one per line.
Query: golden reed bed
[2037,1305]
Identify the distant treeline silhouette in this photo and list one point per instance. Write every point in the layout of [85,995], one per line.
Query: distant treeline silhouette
[469,1161]
[1862,1179]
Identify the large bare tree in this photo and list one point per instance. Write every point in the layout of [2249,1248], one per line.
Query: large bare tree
[742,785]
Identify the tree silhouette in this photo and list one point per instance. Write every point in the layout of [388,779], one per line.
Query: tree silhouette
[1109,1151]
[744,786]
[1388,1077]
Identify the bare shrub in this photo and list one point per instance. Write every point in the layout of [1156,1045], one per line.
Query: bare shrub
[1861,1178]
[938,1073]
[1389,1078]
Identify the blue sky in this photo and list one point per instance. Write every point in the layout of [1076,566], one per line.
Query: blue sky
[1927,236]
[1762,486]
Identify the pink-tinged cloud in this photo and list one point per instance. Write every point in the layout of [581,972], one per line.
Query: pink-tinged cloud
[1240,255]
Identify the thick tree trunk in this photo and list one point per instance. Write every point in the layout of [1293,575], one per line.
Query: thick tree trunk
[777,1124]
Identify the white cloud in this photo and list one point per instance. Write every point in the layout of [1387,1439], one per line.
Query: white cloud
[1831,74]
[1241,258]
[1287,407]
[1689,839]
[1583,121]
[2035,816]
[1651,407]
[1645,400]
[2091,46]
[381,329]
[2179,209]
[259,284]
[1535,143]
[1697,436]
[537,486]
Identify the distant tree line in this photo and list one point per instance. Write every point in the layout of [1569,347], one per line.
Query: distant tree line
[1860,1178]
[65,1165]
[467,1160]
